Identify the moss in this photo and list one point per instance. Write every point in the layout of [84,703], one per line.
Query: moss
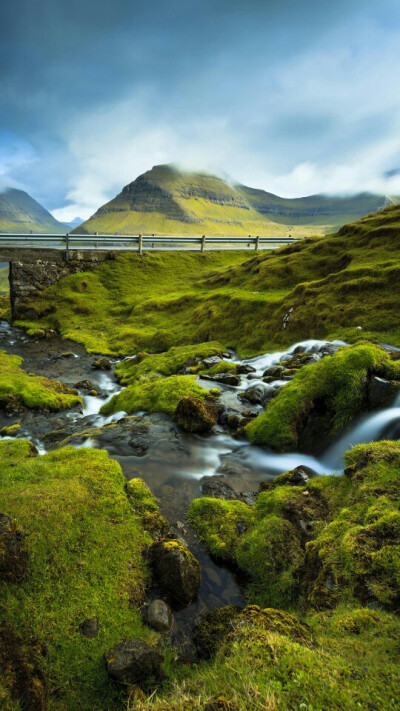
[194,415]
[169,363]
[224,366]
[10,431]
[85,538]
[145,504]
[17,388]
[336,385]
[155,395]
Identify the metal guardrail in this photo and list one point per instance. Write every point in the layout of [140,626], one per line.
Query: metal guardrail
[139,243]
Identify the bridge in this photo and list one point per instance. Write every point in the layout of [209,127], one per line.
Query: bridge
[38,261]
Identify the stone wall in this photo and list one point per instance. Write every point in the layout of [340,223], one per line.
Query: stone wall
[31,271]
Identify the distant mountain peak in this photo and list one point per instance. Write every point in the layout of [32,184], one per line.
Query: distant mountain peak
[169,200]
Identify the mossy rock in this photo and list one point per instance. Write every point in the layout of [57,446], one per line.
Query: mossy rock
[195,415]
[10,431]
[212,628]
[176,570]
[322,399]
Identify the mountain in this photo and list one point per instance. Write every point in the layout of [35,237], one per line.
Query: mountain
[74,223]
[20,213]
[165,200]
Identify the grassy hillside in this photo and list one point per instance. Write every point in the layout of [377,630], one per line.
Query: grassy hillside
[169,201]
[20,213]
[328,286]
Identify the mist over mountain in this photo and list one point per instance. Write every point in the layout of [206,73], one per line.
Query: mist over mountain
[20,213]
[166,200]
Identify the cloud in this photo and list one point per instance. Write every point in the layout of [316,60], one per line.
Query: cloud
[291,97]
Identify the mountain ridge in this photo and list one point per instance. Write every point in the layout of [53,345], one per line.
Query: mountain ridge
[166,200]
[21,213]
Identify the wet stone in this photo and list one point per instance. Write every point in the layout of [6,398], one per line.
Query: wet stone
[134,662]
[159,616]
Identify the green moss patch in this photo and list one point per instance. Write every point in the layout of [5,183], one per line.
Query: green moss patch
[329,286]
[84,538]
[18,388]
[334,386]
[155,395]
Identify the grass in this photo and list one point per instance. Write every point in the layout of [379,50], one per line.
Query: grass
[336,383]
[332,285]
[37,392]
[84,538]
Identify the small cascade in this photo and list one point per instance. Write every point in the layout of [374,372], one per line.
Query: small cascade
[370,429]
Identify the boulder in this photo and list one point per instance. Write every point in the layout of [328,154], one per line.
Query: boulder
[13,556]
[176,570]
[194,415]
[273,371]
[258,394]
[211,360]
[102,364]
[134,662]
[298,476]
[159,616]
[381,393]
[245,369]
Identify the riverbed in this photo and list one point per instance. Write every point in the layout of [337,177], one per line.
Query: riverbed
[175,464]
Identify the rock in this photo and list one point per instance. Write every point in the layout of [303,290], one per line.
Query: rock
[134,662]
[159,616]
[298,476]
[244,369]
[84,385]
[211,360]
[194,415]
[218,488]
[381,393]
[273,371]
[90,627]
[102,364]
[258,394]
[224,378]
[212,628]
[13,556]
[176,570]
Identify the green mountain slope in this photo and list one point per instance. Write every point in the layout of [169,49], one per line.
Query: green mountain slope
[166,200]
[20,213]
[319,287]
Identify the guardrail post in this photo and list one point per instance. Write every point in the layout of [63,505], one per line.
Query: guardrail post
[140,244]
[67,248]
[203,243]
[257,244]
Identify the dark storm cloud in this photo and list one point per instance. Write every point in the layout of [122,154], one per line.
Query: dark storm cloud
[261,86]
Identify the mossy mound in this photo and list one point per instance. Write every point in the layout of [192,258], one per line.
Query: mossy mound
[333,539]
[18,389]
[334,391]
[84,540]
[155,395]
[256,667]
[168,363]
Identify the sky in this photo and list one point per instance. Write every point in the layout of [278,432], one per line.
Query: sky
[292,96]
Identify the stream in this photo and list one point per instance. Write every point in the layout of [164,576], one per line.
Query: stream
[172,463]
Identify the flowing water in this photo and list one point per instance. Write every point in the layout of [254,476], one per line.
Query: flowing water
[175,464]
